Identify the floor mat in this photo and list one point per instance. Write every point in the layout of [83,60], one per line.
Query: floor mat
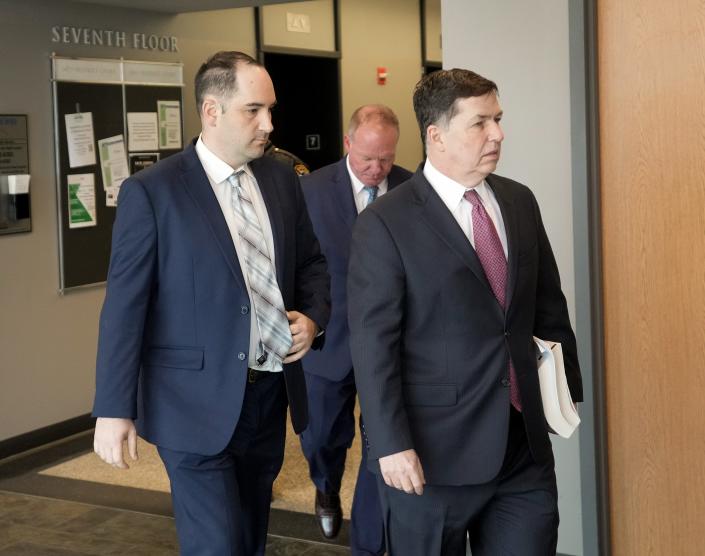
[69,470]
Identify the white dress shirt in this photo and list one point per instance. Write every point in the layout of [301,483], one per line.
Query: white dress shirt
[359,195]
[218,173]
[452,194]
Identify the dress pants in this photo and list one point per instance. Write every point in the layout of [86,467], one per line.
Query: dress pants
[515,514]
[221,502]
[325,443]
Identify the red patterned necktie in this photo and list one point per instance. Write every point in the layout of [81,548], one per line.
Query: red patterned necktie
[491,254]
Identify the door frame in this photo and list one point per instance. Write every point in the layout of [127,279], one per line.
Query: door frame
[263,49]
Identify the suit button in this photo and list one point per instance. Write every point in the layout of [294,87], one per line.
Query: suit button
[241,356]
[244,309]
[505,382]
[507,333]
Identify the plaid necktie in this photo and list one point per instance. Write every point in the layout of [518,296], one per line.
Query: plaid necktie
[491,254]
[275,336]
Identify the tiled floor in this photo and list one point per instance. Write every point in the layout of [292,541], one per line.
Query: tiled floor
[37,526]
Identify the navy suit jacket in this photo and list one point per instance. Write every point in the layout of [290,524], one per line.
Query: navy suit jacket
[175,323]
[329,197]
[430,342]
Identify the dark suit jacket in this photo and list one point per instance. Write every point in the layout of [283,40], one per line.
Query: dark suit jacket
[430,343]
[329,197]
[176,317]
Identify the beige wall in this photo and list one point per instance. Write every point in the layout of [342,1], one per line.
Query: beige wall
[47,342]
[531,44]
[385,34]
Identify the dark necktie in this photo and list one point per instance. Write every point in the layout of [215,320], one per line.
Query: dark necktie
[491,254]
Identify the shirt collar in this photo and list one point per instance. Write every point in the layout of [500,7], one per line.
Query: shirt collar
[357,184]
[450,191]
[216,169]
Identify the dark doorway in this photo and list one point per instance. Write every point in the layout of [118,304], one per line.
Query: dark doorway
[430,67]
[307,115]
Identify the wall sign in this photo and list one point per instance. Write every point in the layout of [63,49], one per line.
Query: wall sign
[14,158]
[87,36]
[14,174]
[313,142]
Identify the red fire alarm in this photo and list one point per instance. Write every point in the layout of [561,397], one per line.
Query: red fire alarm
[381,76]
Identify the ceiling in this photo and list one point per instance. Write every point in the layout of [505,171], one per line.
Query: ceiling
[180,6]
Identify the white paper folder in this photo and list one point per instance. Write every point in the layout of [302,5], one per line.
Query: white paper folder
[558,407]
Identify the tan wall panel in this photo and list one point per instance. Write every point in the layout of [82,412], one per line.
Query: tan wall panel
[432,23]
[320,36]
[383,34]
[652,132]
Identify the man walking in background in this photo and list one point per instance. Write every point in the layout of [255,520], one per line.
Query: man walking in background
[335,195]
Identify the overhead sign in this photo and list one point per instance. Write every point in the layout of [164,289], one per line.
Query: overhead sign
[87,36]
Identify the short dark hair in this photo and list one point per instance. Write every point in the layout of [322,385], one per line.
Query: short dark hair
[435,95]
[218,75]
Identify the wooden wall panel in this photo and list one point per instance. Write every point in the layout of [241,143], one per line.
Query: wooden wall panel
[651,67]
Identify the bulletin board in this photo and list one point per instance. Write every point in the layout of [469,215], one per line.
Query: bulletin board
[111,119]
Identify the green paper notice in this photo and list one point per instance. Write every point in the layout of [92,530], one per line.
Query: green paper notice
[81,199]
[169,113]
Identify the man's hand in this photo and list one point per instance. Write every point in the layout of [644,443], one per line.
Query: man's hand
[110,433]
[403,471]
[303,332]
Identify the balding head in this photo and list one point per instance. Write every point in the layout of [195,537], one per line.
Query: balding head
[371,142]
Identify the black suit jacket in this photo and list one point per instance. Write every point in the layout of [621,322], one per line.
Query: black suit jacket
[329,197]
[429,341]
[176,317]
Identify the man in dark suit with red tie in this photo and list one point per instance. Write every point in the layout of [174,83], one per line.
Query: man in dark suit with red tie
[335,195]
[451,275]
[216,289]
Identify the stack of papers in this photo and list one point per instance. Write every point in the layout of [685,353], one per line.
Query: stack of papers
[558,407]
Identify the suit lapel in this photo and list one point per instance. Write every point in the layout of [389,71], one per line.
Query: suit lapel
[199,188]
[342,195]
[395,178]
[509,216]
[437,216]
[274,210]
[342,192]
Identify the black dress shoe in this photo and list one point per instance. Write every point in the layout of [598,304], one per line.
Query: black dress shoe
[329,514]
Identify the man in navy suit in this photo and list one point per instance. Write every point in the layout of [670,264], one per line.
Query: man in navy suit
[216,289]
[335,195]
[451,275]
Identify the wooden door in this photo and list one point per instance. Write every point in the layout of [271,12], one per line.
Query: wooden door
[651,67]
